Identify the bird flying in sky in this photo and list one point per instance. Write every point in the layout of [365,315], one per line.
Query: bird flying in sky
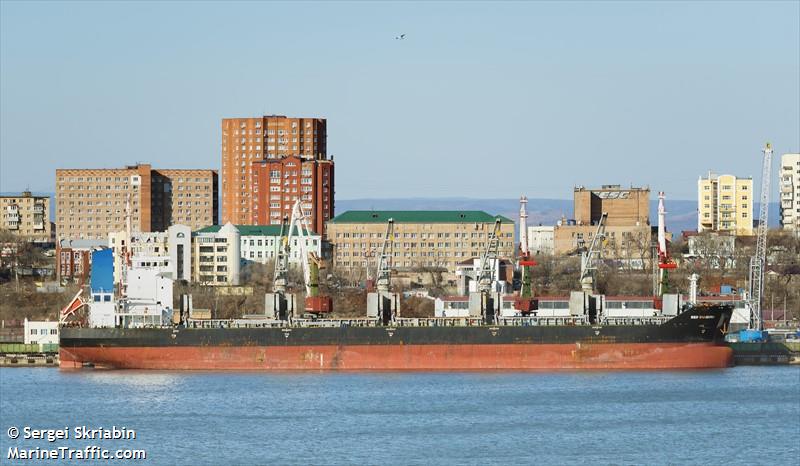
[400,37]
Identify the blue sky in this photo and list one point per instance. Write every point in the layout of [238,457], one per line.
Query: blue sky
[483,100]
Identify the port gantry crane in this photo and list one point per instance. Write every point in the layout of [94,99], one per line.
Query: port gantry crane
[758,261]
[382,303]
[481,303]
[591,257]
[280,304]
[665,262]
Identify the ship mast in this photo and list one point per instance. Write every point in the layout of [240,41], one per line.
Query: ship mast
[126,252]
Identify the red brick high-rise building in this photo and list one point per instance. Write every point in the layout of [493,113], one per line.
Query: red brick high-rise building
[254,147]
[278,183]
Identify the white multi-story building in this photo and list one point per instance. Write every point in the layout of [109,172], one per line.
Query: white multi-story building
[541,240]
[173,246]
[216,258]
[789,189]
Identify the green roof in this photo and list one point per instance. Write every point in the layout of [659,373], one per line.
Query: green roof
[418,216]
[250,230]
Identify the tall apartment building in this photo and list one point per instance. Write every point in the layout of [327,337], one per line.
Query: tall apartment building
[422,238]
[26,216]
[278,184]
[250,145]
[91,203]
[789,188]
[725,204]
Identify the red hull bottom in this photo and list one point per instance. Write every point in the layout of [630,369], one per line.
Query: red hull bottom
[407,357]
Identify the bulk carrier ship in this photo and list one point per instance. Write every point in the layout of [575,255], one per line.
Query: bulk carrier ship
[134,331]
[691,340]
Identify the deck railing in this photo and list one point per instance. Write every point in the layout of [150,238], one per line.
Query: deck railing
[422,322]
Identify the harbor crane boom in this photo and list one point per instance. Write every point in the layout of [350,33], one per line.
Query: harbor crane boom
[590,257]
[758,261]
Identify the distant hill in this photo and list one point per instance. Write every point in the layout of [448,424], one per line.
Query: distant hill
[681,214]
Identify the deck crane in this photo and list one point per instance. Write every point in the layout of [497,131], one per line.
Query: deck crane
[481,302]
[383,275]
[758,261]
[382,303]
[665,262]
[489,260]
[315,303]
[590,257]
[280,304]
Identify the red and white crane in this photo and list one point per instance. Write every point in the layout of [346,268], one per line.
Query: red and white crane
[524,302]
[665,262]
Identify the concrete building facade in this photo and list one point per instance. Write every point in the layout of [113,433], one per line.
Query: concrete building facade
[216,257]
[184,197]
[429,238]
[279,183]
[91,203]
[246,141]
[725,204]
[27,216]
[625,206]
[789,189]
[541,240]
[628,232]
[40,332]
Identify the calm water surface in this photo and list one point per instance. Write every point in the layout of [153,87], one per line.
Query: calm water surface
[744,415]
